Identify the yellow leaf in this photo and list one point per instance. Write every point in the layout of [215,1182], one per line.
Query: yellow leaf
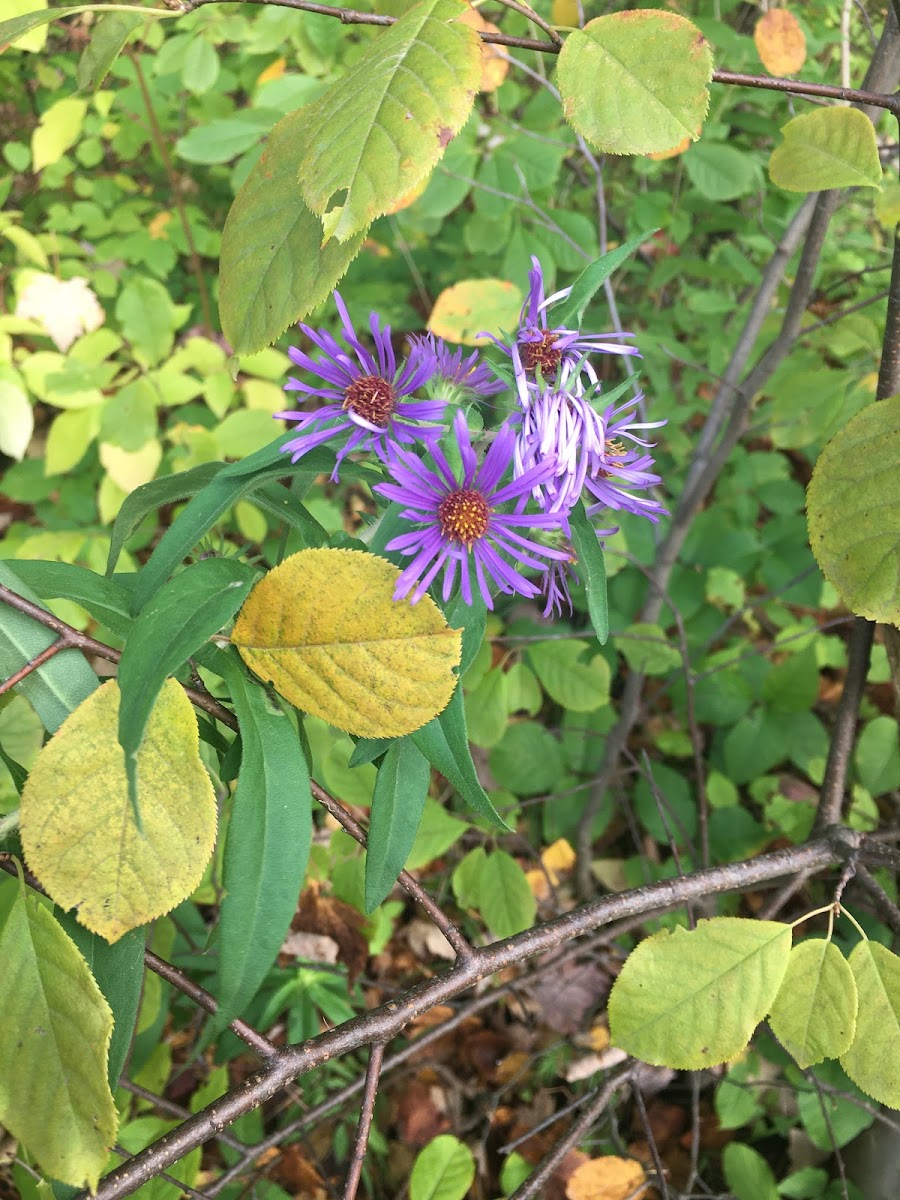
[157,226]
[494,67]
[324,629]
[558,858]
[473,306]
[35,39]
[607,1178]
[59,126]
[565,13]
[274,70]
[130,468]
[77,825]
[780,42]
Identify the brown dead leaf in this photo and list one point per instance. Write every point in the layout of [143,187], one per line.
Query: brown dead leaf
[328,917]
[494,67]
[298,1176]
[421,1113]
[607,1178]
[780,42]
[426,940]
[565,998]
[314,947]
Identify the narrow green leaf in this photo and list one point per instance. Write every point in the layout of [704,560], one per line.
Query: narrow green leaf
[13,29]
[60,685]
[118,971]
[814,1014]
[853,506]
[591,569]
[108,38]
[268,843]
[169,629]
[273,268]
[472,620]
[397,804]
[282,504]
[570,312]
[151,496]
[105,599]
[635,82]
[383,126]
[367,750]
[445,743]
[692,999]
[54,1042]
[438,831]
[505,899]
[444,1170]
[832,147]
[873,1060]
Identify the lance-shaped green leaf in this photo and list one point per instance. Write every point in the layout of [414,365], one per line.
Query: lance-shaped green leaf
[15,27]
[397,804]
[814,1014]
[635,82]
[273,268]
[570,312]
[591,569]
[57,687]
[445,743]
[853,506]
[691,999]
[384,125]
[108,38]
[105,599]
[174,624]
[873,1060]
[269,836]
[54,1042]
[831,147]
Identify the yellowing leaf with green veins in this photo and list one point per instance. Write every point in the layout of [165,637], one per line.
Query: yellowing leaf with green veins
[831,147]
[130,468]
[78,829]
[853,512]
[873,1060]
[474,306]
[54,1043]
[635,82]
[691,999]
[324,629]
[814,1014]
[386,123]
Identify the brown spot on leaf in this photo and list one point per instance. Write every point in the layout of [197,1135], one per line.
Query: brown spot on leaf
[445,135]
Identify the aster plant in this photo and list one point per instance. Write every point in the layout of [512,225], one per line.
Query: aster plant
[367,397]
[462,528]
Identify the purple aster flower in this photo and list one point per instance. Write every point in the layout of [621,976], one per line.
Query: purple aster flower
[561,423]
[544,347]
[460,525]
[368,395]
[559,575]
[455,378]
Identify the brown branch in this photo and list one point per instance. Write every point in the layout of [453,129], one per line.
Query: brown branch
[384,1023]
[366,1112]
[32,665]
[534,1184]
[409,884]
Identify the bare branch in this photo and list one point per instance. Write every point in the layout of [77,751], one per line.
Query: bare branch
[366,1112]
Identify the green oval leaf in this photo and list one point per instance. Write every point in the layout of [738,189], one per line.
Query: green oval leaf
[397,804]
[692,999]
[54,1042]
[873,1060]
[444,1170]
[814,1014]
[577,683]
[853,506]
[381,128]
[505,899]
[828,148]
[273,268]
[636,82]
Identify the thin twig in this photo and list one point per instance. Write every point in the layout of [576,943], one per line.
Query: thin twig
[366,1112]
[535,1183]
[532,16]
[202,998]
[32,665]
[885,908]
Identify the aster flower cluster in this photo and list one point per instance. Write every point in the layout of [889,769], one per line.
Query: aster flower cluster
[478,524]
